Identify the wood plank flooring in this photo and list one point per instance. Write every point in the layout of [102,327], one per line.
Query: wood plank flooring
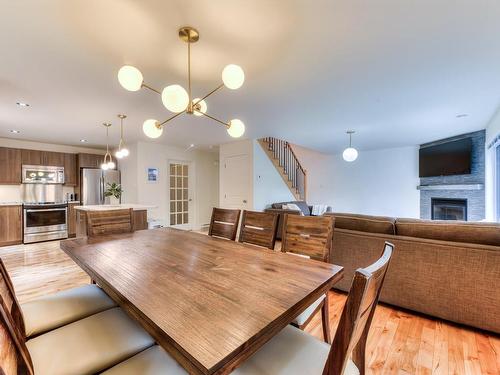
[399,342]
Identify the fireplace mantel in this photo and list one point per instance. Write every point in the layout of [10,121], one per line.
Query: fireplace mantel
[452,187]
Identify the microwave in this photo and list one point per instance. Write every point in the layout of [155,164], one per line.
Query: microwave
[37,174]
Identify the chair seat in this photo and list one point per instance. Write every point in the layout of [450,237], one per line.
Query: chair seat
[49,312]
[153,361]
[89,345]
[302,318]
[291,352]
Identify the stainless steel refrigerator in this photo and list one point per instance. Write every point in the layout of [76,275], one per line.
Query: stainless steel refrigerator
[94,183]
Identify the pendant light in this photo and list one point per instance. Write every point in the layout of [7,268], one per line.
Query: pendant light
[350,153]
[179,100]
[108,162]
[122,150]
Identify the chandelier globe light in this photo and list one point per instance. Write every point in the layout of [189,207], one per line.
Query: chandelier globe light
[122,151]
[350,153]
[107,163]
[179,100]
[130,78]
[152,128]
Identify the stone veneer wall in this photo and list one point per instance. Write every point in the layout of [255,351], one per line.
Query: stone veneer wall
[475,198]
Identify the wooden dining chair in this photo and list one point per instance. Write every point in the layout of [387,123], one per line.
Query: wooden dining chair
[293,351]
[224,223]
[310,236]
[109,337]
[259,228]
[110,222]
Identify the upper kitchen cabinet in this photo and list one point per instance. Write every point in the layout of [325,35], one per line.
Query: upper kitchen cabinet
[47,158]
[31,157]
[90,160]
[70,168]
[10,165]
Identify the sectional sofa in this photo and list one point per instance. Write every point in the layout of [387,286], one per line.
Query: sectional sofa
[450,270]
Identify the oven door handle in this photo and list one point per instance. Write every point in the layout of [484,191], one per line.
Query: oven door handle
[46,209]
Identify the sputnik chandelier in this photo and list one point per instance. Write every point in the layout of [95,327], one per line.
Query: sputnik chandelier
[179,101]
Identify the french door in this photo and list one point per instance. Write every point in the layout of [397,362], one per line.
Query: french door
[180,194]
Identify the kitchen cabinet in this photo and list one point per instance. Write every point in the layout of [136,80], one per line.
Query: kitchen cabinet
[11,225]
[70,170]
[72,219]
[46,158]
[31,157]
[91,160]
[10,165]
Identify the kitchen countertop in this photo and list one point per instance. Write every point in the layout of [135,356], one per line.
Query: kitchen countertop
[11,203]
[110,207]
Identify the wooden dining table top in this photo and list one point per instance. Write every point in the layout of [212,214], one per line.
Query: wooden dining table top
[209,302]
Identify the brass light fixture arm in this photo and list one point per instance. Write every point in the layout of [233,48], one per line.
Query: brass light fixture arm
[210,93]
[213,118]
[150,88]
[170,118]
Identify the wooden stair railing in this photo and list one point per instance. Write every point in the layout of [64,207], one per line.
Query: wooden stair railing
[293,173]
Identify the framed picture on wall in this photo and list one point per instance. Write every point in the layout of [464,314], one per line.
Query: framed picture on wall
[152,175]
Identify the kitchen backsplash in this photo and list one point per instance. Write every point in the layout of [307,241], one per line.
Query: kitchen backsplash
[12,193]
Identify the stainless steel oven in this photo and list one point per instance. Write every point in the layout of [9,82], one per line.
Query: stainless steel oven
[45,221]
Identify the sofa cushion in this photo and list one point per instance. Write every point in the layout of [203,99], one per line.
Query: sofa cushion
[364,223]
[458,231]
[301,204]
[49,312]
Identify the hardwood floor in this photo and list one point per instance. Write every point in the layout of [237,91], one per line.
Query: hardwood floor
[399,342]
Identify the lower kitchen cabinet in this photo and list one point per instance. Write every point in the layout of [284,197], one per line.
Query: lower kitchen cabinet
[72,219]
[11,225]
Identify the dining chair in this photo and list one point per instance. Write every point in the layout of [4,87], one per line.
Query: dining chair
[259,228]
[48,312]
[110,222]
[224,223]
[293,351]
[85,346]
[310,236]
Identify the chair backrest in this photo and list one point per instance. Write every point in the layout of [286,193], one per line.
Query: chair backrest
[224,223]
[308,235]
[259,228]
[14,355]
[109,222]
[352,332]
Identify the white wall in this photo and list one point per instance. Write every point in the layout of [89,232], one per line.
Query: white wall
[12,193]
[379,182]
[492,130]
[153,155]
[268,186]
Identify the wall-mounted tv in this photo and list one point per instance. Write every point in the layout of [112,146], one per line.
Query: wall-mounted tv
[445,159]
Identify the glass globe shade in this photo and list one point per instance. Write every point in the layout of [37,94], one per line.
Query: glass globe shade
[202,107]
[119,154]
[111,165]
[175,98]
[350,154]
[233,76]
[150,129]
[104,166]
[130,78]
[236,128]
[125,152]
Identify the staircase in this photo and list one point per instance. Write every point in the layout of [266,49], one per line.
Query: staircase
[288,166]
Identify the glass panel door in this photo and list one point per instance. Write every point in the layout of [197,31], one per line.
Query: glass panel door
[179,194]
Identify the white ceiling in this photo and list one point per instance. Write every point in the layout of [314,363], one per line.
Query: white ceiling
[398,72]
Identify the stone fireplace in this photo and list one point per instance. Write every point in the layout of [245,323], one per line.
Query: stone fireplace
[451,197]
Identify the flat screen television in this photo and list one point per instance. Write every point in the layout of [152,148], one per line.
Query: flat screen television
[450,158]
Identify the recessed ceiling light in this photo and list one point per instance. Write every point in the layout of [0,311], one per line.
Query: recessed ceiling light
[21,104]
[462,115]
[14,131]
[83,140]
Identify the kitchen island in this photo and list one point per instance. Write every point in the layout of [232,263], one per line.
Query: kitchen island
[140,218]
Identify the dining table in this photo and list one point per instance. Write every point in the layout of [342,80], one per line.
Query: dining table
[209,302]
